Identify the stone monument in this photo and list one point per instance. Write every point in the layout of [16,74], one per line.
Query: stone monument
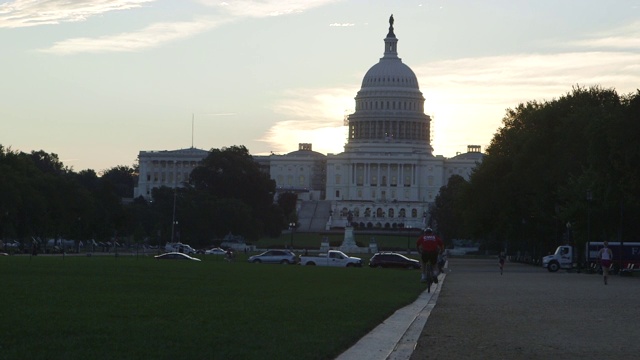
[349,242]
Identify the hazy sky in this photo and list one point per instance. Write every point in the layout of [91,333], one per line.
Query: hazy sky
[96,81]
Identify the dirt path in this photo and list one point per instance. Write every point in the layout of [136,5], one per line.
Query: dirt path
[529,313]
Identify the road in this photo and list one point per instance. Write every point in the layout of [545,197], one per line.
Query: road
[529,313]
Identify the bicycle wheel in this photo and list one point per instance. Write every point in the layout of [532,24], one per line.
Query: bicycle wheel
[429,277]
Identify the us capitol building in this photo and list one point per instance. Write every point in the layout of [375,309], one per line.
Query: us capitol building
[387,176]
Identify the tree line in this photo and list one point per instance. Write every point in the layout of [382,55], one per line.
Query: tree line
[41,198]
[559,171]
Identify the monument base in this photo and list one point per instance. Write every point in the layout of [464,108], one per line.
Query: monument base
[349,242]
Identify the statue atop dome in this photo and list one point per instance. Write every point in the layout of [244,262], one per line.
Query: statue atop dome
[391,34]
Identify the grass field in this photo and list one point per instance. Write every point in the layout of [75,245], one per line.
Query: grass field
[136,307]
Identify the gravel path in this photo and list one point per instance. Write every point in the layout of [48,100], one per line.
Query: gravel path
[529,313]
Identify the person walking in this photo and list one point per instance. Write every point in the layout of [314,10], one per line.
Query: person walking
[605,256]
[501,258]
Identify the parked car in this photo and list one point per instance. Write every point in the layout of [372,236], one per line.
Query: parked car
[331,258]
[215,251]
[393,260]
[275,257]
[175,256]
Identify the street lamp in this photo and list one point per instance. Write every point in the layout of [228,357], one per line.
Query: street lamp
[292,226]
[589,198]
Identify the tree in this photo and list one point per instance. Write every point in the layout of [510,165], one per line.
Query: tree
[231,173]
[544,160]
[122,179]
[287,202]
[447,212]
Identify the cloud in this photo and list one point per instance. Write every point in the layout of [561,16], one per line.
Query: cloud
[265,8]
[311,116]
[25,13]
[627,37]
[149,37]
[468,97]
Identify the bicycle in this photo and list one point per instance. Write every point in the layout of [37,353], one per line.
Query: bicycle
[430,277]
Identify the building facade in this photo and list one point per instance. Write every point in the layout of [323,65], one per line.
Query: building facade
[170,168]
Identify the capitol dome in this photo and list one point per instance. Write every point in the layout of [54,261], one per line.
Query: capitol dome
[390,73]
[389,113]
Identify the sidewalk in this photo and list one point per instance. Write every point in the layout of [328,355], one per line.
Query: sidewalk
[398,335]
[529,313]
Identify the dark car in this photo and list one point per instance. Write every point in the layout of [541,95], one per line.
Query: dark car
[393,260]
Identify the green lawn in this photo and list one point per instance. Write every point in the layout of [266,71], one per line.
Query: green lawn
[129,307]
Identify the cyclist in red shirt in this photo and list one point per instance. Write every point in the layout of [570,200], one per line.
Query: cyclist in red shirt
[429,245]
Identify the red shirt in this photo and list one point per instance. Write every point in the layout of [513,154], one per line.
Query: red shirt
[429,243]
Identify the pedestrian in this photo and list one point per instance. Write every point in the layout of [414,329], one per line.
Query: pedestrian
[501,258]
[605,256]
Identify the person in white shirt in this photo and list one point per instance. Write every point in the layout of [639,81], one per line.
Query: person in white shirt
[605,256]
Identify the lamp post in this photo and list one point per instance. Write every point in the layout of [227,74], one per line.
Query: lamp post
[589,198]
[292,226]
[569,242]
[173,219]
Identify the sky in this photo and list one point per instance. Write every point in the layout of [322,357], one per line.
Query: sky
[98,81]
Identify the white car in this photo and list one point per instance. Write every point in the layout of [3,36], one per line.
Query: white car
[175,256]
[215,251]
[274,257]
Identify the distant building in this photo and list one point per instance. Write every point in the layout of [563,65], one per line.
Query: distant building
[302,172]
[170,168]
